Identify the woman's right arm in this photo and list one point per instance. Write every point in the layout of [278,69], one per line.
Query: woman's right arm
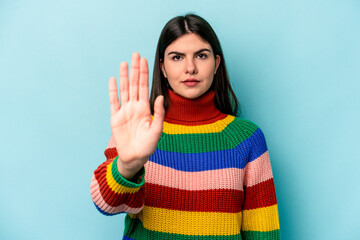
[117,184]
[111,192]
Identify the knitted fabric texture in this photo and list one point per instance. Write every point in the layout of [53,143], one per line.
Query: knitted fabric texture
[210,177]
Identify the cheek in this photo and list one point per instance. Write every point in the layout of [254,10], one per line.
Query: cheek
[173,71]
[209,70]
[172,76]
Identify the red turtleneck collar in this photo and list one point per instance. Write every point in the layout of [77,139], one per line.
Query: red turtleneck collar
[197,111]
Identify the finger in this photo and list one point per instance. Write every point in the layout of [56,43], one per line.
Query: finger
[134,76]
[113,95]
[124,82]
[159,115]
[144,80]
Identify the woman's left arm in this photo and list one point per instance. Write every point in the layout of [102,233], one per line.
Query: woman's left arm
[260,218]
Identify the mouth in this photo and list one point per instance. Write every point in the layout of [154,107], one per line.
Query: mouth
[190,82]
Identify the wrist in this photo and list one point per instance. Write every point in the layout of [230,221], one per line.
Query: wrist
[128,171]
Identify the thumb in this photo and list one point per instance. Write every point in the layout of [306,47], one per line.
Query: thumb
[159,115]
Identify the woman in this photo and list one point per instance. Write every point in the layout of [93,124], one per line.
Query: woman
[192,170]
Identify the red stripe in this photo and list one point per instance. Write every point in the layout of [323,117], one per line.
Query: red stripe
[260,195]
[134,200]
[110,153]
[197,123]
[216,200]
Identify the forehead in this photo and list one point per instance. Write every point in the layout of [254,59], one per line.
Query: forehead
[188,43]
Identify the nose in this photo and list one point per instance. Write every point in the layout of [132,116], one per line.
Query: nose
[191,66]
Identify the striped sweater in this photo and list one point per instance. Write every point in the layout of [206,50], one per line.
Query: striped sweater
[210,177]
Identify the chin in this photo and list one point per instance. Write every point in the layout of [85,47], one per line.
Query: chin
[191,93]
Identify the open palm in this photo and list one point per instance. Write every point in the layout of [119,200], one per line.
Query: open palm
[135,133]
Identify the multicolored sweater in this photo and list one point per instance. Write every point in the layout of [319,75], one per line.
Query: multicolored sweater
[209,178]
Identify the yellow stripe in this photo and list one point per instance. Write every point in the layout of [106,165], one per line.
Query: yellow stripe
[217,126]
[261,219]
[117,188]
[190,223]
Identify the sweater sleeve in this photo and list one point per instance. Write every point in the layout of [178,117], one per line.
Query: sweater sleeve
[113,194]
[260,218]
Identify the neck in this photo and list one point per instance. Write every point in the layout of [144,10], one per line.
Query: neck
[192,111]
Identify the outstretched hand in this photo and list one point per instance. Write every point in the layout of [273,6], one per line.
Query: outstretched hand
[135,133]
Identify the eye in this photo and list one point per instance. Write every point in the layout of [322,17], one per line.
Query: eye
[176,58]
[202,56]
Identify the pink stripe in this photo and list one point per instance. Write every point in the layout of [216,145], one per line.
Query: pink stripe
[229,178]
[258,170]
[100,202]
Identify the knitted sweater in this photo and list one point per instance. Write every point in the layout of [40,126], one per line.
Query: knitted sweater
[209,178]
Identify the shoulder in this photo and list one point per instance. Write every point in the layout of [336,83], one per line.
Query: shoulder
[247,133]
[246,124]
[243,126]
[256,141]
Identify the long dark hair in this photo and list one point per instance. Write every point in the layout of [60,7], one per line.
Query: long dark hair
[225,99]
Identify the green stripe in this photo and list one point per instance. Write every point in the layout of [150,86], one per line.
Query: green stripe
[134,229]
[123,181]
[273,235]
[238,130]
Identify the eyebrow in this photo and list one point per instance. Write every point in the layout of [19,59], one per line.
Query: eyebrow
[197,52]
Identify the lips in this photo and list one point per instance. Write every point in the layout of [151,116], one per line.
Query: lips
[191,82]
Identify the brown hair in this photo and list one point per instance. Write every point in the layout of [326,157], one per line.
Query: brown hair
[225,99]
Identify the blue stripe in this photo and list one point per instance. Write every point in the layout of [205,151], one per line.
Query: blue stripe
[106,213]
[247,151]
[258,142]
[128,238]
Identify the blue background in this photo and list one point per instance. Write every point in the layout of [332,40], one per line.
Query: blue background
[294,65]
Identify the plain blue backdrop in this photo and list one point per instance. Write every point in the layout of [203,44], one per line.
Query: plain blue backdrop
[294,65]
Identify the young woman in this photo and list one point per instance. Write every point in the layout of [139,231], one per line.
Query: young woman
[182,166]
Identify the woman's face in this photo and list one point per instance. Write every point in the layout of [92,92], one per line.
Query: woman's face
[189,65]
